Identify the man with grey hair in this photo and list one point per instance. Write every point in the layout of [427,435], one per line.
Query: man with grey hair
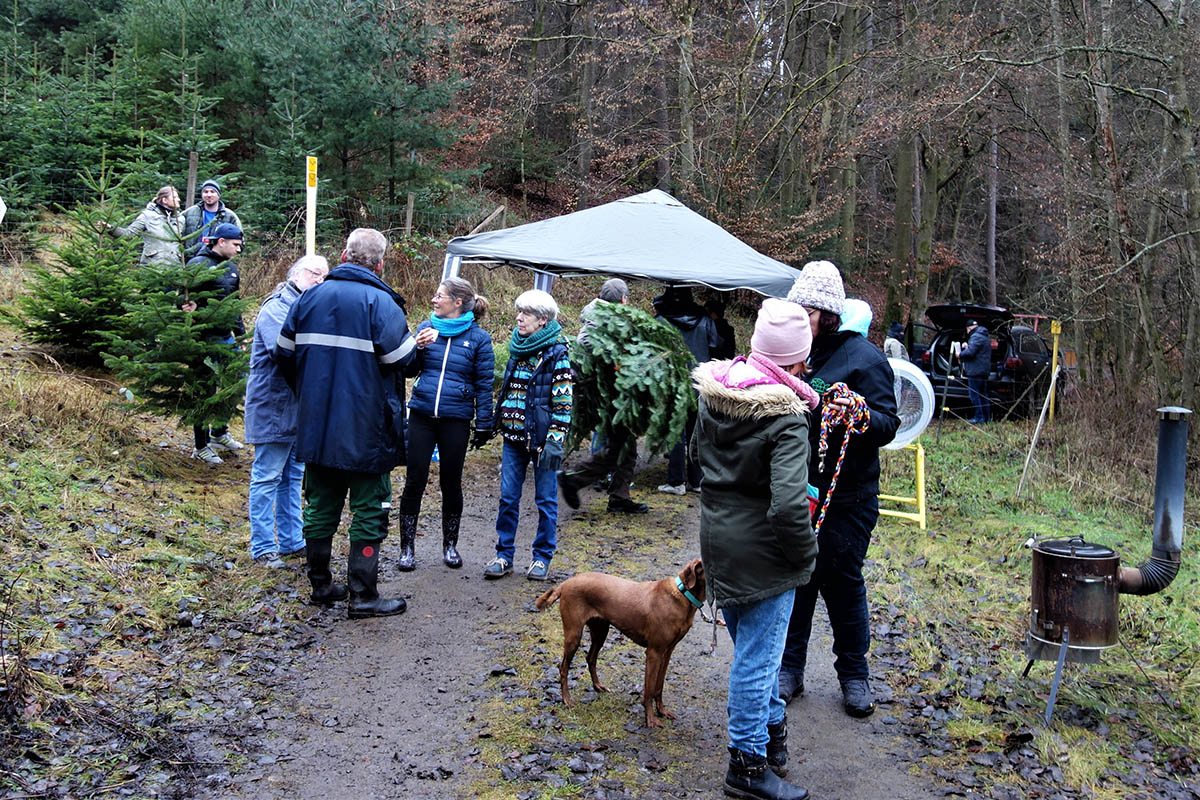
[343,348]
[618,455]
[276,527]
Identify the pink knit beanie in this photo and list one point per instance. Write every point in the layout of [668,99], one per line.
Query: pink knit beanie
[782,334]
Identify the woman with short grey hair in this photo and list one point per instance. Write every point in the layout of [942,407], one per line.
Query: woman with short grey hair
[535,415]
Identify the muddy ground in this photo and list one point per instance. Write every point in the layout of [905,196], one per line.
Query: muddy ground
[423,705]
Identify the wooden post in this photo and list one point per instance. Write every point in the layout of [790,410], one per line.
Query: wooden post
[499,210]
[193,167]
[412,199]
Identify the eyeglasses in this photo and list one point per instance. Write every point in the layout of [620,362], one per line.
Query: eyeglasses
[440,296]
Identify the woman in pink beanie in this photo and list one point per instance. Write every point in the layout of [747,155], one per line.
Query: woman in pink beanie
[756,540]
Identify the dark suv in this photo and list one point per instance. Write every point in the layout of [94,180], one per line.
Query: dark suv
[1020,374]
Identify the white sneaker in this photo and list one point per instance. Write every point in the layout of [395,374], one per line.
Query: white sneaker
[225,442]
[206,455]
[669,488]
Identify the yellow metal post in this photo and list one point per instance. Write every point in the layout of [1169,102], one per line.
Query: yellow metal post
[1055,331]
[310,221]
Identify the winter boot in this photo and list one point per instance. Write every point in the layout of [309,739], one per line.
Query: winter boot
[748,776]
[450,541]
[777,748]
[325,592]
[408,542]
[857,698]
[363,573]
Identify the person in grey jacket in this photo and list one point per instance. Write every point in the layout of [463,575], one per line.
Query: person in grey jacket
[976,358]
[160,227]
[276,527]
[756,538]
[205,216]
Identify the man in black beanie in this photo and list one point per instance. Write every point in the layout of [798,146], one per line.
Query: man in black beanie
[202,218]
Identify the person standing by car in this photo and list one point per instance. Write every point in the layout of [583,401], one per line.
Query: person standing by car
[343,348]
[276,527]
[841,356]
[204,217]
[224,246]
[892,346]
[455,366]
[160,227]
[756,539]
[535,415]
[976,360]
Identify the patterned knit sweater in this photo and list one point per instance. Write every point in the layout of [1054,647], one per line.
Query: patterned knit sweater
[516,391]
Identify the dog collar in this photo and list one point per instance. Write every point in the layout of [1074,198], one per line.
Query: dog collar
[683,590]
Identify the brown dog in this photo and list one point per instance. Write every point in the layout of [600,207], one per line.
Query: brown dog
[655,614]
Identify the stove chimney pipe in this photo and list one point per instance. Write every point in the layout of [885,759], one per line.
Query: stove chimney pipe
[1157,572]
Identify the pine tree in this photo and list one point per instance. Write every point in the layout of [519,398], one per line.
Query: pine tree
[635,374]
[79,298]
[182,363]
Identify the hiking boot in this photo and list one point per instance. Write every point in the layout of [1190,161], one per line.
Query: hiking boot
[624,505]
[538,570]
[857,699]
[777,748]
[207,455]
[497,568]
[408,542]
[270,560]
[748,776]
[570,491]
[362,571]
[225,442]
[791,685]
[325,592]
[450,556]
[673,488]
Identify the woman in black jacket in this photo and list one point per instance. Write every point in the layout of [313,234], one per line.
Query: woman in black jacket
[840,357]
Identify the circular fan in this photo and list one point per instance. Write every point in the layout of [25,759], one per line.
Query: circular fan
[914,402]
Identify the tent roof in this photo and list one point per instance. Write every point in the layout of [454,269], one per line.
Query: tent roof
[650,236]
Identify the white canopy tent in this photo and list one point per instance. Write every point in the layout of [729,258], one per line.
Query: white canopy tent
[650,236]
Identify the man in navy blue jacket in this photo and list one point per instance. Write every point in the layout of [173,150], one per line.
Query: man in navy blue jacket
[343,348]
[976,358]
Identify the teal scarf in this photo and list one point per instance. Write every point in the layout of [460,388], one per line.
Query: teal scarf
[452,326]
[526,346]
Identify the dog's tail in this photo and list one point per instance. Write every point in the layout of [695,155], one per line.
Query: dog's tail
[548,598]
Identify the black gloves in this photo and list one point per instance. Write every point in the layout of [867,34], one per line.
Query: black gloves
[481,437]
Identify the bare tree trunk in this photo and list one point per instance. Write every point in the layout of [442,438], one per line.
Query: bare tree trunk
[902,239]
[993,192]
[932,168]
[662,120]
[1191,181]
[585,59]
[687,102]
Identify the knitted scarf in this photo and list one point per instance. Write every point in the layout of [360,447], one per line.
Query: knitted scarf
[526,346]
[452,326]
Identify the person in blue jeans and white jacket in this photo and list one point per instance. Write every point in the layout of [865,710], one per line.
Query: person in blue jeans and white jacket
[535,414]
[276,477]
[455,367]
[756,539]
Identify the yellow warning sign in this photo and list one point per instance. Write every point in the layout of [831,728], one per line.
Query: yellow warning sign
[312,172]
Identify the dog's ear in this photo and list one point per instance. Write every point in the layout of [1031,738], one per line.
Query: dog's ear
[692,574]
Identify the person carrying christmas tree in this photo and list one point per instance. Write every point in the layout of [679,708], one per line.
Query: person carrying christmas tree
[535,415]
[618,455]
[343,349]
[225,245]
[756,539]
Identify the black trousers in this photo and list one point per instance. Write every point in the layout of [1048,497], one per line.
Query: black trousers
[451,437]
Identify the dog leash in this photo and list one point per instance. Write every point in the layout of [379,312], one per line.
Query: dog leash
[704,614]
[856,418]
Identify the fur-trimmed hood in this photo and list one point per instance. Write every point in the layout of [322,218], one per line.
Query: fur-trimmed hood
[745,392]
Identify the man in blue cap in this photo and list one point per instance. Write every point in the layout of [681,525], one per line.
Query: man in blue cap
[202,219]
[225,243]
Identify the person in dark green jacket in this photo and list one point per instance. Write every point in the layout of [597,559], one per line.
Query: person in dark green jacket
[756,539]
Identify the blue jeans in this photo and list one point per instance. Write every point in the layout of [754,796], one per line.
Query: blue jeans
[276,479]
[838,576]
[977,388]
[514,460]
[758,631]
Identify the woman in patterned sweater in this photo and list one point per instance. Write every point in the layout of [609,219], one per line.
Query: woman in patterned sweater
[535,414]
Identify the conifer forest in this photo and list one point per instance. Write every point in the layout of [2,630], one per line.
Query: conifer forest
[1036,154]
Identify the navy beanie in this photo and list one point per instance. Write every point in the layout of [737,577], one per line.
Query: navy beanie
[213,184]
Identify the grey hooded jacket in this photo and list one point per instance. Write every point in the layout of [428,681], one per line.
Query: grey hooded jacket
[160,231]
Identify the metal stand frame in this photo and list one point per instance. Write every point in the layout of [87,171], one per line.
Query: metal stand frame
[919,501]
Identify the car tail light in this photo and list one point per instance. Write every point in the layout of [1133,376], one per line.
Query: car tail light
[1012,362]
[926,359]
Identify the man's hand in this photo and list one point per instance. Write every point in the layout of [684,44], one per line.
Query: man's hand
[189,306]
[551,457]
[481,437]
